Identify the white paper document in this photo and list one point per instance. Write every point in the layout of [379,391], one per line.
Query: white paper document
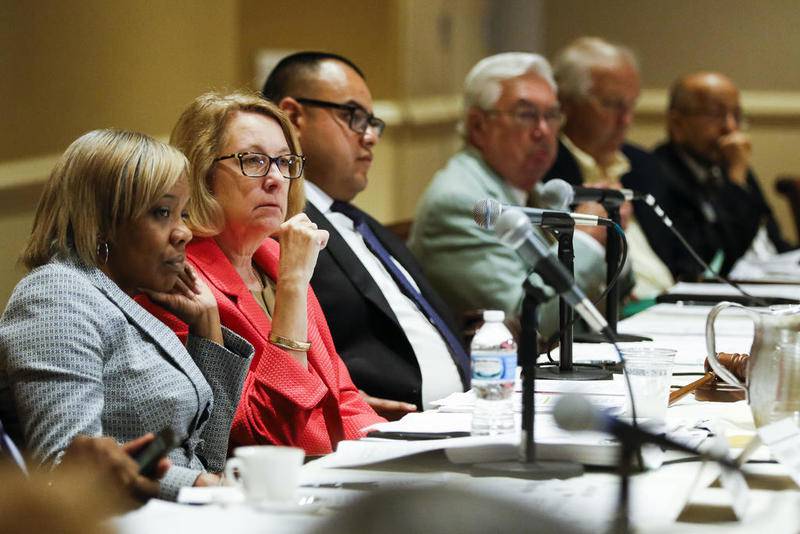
[606,394]
[790,291]
[783,439]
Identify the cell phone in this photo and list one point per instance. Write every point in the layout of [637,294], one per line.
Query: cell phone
[148,457]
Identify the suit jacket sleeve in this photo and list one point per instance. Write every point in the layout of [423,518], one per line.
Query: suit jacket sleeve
[225,369]
[487,274]
[54,350]
[56,344]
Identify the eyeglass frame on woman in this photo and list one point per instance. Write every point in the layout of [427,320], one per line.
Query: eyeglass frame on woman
[241,155]
[378,125]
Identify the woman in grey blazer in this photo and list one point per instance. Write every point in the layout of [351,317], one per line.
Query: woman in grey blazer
[77,354]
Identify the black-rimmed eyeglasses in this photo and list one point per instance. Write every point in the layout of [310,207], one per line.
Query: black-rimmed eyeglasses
[256,165]
[359,118]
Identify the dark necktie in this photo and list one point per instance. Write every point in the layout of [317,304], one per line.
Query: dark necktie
[408,289]
[7,448]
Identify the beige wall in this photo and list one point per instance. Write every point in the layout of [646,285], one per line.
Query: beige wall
[756,42]
[364,31]
[69,67]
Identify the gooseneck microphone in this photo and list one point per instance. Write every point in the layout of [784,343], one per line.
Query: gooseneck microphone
[486,213]
[575,413]
[650,201]
[514,229]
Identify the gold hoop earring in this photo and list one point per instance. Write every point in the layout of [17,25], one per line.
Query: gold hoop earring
[103,251]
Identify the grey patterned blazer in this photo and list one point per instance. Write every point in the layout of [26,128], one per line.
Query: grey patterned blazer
[79,356]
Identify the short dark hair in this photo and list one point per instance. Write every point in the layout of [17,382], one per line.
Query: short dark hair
[284,77]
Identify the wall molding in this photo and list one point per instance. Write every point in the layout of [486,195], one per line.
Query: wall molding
[20,173]
[782,105]
[435,110]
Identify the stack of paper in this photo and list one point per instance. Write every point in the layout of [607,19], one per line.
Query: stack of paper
[606,394]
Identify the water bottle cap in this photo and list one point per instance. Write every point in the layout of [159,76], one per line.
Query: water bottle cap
[494,316]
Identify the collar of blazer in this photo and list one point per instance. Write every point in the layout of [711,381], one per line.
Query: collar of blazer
[157,331]
[208,257]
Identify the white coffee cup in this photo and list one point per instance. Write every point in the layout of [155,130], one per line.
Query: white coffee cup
[266,472]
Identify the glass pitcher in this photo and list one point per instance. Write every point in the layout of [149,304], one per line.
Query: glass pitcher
[773,370]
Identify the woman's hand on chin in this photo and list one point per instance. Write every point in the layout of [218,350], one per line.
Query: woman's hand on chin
[193,302]
[301,242]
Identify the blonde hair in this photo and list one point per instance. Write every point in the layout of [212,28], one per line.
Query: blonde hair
[200,132]
[104,179]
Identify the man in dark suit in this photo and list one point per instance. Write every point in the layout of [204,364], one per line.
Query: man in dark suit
[598,86]
[393,332]
[712,194]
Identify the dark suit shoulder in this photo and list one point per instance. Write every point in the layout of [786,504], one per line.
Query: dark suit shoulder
[565,167]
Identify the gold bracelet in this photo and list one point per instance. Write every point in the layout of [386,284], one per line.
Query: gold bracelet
[289,344]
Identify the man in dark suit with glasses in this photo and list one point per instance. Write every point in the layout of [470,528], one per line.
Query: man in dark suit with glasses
[395,335]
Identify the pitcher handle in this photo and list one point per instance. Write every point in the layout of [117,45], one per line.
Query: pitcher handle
[718,368]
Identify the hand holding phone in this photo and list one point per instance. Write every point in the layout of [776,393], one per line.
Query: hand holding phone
[149,456]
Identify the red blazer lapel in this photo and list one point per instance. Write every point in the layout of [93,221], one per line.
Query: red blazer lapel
[218,270]
[242,314]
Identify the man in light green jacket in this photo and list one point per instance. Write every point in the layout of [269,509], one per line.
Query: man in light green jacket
[510,128]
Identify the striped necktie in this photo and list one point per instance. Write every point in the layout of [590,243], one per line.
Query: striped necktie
[408,289]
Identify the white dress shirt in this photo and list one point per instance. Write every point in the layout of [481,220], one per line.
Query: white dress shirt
[439,373]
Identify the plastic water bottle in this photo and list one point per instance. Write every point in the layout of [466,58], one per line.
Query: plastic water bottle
[494,364]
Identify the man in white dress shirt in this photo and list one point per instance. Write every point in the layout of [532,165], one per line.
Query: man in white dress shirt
[397,338]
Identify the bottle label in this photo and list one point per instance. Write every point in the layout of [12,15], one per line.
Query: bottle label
[497,366]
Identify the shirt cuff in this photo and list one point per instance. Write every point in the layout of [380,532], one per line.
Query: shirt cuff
[177,477]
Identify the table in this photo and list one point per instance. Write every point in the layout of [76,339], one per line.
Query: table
[678,497]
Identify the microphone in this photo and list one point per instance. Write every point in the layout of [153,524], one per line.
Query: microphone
[486,212]
[558,194]
[575,413]
[515,230]
[650,201]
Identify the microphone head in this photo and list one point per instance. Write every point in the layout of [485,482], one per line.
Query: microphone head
[556,194]
[485,212]
[512,226]
[573,412]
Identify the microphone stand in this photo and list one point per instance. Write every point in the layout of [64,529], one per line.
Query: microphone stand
[622,523]
[566,316]
[613,253]
[528,351]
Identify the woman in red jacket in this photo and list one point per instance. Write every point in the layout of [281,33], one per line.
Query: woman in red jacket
[247,194]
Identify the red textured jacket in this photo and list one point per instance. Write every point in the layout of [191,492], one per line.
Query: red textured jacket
[282,402]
